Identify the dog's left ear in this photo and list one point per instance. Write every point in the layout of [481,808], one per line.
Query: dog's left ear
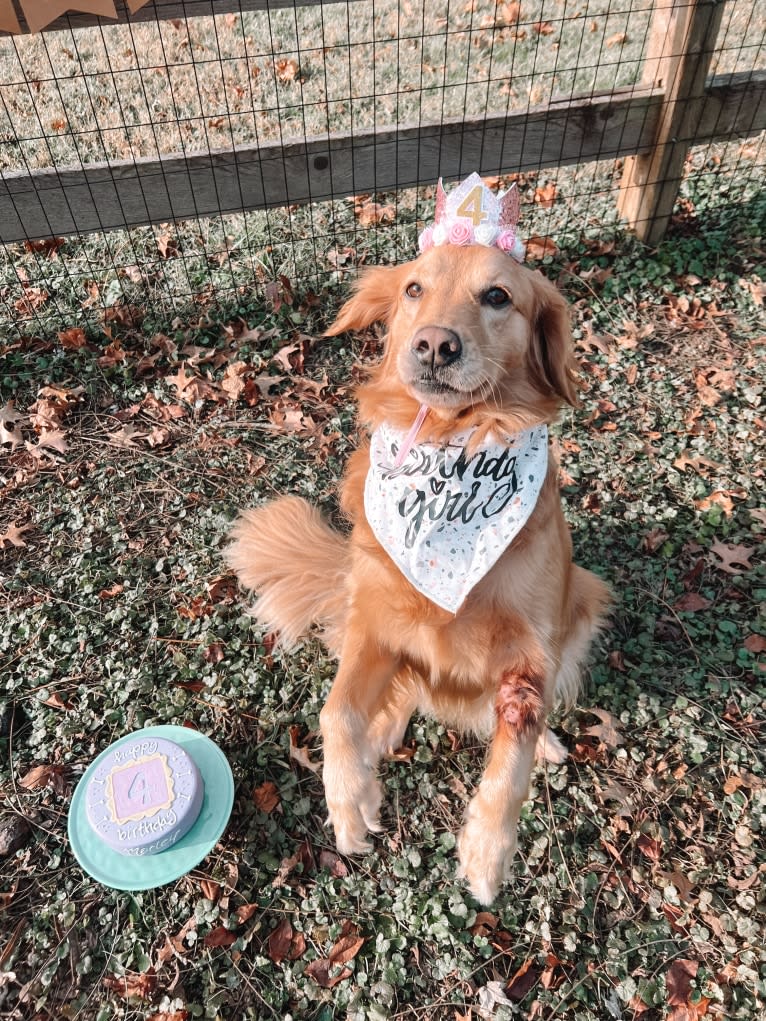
[551,359]
[373,300]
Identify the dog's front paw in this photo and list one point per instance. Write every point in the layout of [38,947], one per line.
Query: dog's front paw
[485,852]
[353,811]
[550,749]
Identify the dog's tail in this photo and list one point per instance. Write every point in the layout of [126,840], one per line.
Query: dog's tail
[297,566]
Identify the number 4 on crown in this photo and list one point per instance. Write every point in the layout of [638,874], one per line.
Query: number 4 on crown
[471,207]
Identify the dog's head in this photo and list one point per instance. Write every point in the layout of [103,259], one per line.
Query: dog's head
[468,327]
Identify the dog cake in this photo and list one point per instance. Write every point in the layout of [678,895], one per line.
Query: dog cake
[144,796]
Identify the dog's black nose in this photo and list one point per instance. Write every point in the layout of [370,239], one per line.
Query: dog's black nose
[436,346]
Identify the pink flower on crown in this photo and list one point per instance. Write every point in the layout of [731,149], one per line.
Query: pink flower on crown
[426,239]
[506,242]
[460,233]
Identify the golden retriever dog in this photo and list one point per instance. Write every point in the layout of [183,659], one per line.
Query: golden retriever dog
[478,355]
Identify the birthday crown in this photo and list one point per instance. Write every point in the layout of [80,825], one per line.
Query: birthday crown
[473,215]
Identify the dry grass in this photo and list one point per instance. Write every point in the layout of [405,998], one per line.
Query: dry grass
[120,92]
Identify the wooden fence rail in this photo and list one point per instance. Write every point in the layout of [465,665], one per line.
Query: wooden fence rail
[677,105]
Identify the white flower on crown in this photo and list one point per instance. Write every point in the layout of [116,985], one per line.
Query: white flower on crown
[486,234]
[473,215]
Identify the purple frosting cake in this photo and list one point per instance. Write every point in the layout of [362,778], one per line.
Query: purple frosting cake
[144,796]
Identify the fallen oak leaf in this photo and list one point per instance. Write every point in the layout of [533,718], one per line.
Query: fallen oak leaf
[12,536]
[72,340]
[372,213]
[606,731]
[287,69]
[132,985]
[10,433]
[718,498]
[733,559]
[546,196]
[53,439]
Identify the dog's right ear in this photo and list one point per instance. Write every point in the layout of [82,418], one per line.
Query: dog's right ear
[373,300]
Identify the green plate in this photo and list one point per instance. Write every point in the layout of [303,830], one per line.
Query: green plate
[126,872]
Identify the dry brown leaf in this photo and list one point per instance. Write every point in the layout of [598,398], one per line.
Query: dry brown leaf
[72,340]
[279,941]
[683,461]
[372,213]
[606,731]
[733,559]
[214,653]
[10,433]
[326,974]
[755,644]
[510,12]
[12,536]
[522,981]
[40,776]
[346,948]
[546,195]
[540,247]
[210,889]
[266,797]
[132,985]
[691,602]
[167,246]
[53,439]
[246,911]
[45,246]
[126,436]
[720,498]
[234,382]
[543,27]
[333,863]
[55,701]
[618,39]
[220,937]
[650,847]
[287,69]
[32,299]
[678,981]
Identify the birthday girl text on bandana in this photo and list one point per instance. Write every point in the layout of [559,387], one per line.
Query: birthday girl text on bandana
[444,516]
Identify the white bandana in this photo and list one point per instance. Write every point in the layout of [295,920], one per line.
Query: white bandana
[445,518]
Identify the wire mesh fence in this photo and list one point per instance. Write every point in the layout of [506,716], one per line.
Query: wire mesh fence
[133,154]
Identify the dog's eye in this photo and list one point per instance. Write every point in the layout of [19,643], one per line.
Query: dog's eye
[496,297]
[413,290]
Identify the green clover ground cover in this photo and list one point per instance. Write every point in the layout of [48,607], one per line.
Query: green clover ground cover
[638,888]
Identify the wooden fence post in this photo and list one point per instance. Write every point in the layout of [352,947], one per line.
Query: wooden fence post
[681,45]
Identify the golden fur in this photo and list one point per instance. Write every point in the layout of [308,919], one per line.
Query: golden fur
[516,645]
